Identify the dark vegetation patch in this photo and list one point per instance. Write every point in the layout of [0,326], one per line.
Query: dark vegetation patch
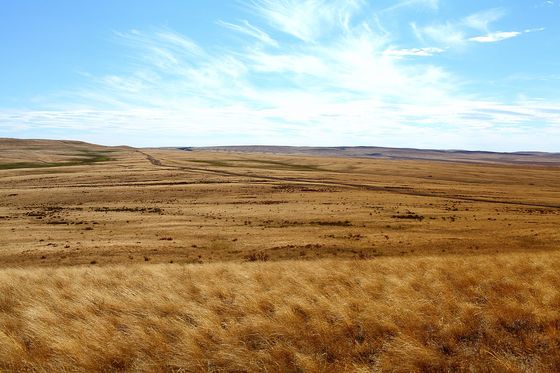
[287,223]
[16,165]
[153,210]
[212,163]
[337,223]
[58,222]
[306,246]
[410,216]
[49,211]
[269,202]
[257,163]
[301,188]
[256,256]
[349,236]
[284,165]
[84,157]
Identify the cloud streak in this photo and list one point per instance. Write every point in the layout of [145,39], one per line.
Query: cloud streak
[305,72]
[495,36]
[418,52]
[456,33]
[246,28]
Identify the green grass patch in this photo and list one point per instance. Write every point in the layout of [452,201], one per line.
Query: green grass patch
[11,166]
[212,163]
[258,164]
[84,157]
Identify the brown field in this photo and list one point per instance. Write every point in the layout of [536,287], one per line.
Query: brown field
[479,313]
[123,259]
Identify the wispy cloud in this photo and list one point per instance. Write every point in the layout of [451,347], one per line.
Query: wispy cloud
[419,52]
[246,28]
[285,82]
[445,34]
[458,33]
[481,20]
[493,37]
[307,20]
[431,4]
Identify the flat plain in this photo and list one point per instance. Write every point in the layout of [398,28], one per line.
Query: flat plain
[381,260]
[204,206]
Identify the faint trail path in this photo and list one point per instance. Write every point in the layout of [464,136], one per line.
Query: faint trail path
[154,161]
[308,181]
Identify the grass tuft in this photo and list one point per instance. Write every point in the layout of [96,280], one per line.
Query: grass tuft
[478,313]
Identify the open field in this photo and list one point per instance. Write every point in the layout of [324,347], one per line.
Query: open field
[448,313]
[375,152]
[123,259]
[198,206]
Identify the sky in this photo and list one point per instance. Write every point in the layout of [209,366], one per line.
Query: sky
[475,75]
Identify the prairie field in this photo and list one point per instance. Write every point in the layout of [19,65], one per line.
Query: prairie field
[243,260]
[449,313]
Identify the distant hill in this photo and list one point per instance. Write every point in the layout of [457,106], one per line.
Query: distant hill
[539,158]
[24,153]
[14,151]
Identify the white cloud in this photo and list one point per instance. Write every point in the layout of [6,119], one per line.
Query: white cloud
[480,20]
[248,29]
[453,123]
[430,4]
[456,33]
[307,20]
[420,52]
[354,87]
[495,36]
[446,34]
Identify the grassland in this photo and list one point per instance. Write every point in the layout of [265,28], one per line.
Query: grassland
[82,158]
[190,207]
[170,260]
[480,313]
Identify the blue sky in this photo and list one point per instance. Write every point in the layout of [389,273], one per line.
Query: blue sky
[410,73]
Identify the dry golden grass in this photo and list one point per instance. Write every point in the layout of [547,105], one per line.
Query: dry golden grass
[122,259]
[199,206]
[477,313]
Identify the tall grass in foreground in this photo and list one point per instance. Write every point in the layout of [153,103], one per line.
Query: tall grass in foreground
[484,313]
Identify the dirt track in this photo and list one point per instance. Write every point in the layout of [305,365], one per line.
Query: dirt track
[161,205]
[408,191]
